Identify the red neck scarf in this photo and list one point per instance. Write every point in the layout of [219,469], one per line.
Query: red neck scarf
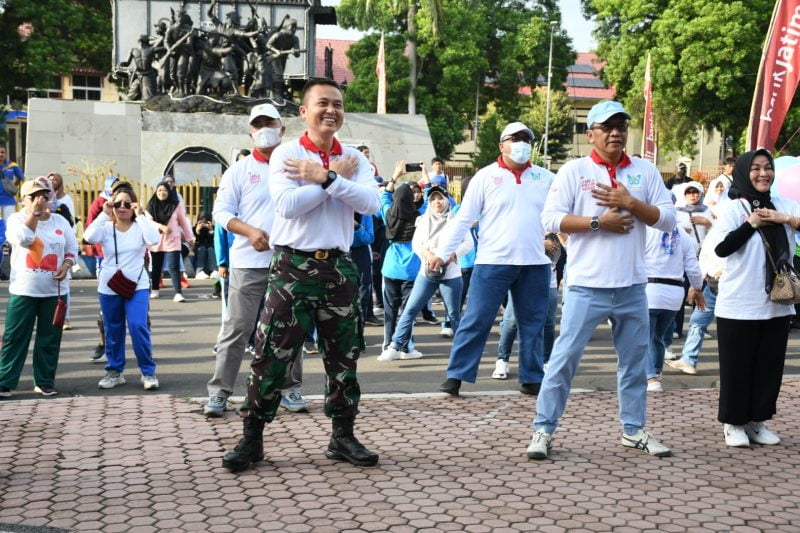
[308,144]
[517,173]
[612,170]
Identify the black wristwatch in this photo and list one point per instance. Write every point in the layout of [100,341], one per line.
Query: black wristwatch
[595,223]
[331,178]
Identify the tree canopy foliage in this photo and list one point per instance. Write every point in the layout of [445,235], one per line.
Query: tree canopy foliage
[705,58]
[65,33]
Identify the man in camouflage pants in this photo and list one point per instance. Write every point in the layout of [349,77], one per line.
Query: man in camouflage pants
[316,185]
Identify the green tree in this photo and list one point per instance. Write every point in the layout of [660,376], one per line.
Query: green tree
[64,34]
[488,139]
[705,56]
[562,121]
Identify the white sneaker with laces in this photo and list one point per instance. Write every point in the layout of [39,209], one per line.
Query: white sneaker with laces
[201,275]
[389,354]
[413,354]
[293,401]
[153,294]
[500,369]
[736,436]
[150,382]
[654,385]
[758,433]
[111,380]
[178,298]
[541,442]
[645,442]
[669,355]
[447,333]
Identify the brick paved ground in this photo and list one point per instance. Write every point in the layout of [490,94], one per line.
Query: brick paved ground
[146,463]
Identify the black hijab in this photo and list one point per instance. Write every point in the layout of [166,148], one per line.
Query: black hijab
[774,234]
[402,216]
[161,211]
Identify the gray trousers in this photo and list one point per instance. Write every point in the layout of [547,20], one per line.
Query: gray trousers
[247,289]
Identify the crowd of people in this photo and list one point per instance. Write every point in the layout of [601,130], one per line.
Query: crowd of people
[309,242]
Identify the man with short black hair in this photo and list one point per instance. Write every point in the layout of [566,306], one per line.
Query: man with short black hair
[680,176]
[317,186]
[604,201]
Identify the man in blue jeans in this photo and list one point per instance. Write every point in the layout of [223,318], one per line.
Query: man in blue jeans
[507,197]
[604,201]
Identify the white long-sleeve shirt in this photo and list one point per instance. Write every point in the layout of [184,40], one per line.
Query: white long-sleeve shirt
[36,256]
[602,259]
[308,217]
[741,288]
[421,243]
[244,193]
[659,263]
[130,249]
[509,210]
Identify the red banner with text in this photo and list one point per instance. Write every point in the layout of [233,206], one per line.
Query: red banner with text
[648,133]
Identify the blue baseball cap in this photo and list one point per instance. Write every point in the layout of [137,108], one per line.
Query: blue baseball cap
[604,111]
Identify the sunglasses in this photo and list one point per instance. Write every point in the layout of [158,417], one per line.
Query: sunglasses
[126,205]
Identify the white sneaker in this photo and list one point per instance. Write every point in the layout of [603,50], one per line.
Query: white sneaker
[654,385]
[647,443]
[178,298]
[669,355]
[447,333]
[707,335]
[683,366]
[676,335]
[541,443]
[413,354]
[758,433]
[153,294]
[150,382]
[390,354]
[214,275]
[201,275]
[500,369]
[111,380]
[736,436]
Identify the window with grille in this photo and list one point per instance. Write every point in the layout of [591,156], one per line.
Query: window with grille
[86,87]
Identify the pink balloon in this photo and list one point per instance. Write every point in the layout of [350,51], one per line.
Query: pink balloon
[787,183]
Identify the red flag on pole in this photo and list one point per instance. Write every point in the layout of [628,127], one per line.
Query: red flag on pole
[380,71]
[648,133]
[778,76]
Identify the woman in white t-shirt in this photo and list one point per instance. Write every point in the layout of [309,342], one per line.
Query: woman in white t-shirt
[752,329]
[44,249]
[124,232]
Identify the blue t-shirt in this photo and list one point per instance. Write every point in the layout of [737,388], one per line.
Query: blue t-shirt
[10,171]
[400,261]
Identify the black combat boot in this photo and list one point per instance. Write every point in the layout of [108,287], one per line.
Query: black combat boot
[250,448]
[344,446]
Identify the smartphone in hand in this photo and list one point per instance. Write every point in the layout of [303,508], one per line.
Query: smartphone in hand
[413,167]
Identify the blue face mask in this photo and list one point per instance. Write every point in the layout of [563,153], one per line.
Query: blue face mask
[520,152]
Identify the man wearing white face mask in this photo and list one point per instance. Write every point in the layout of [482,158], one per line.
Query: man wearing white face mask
[508,197]
[244,207]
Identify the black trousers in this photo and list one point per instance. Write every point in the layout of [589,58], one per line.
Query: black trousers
[751,357]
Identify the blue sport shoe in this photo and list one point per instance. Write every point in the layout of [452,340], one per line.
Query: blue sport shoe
[293,401]
[216,405]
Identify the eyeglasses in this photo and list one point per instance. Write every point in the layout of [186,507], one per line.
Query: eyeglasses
[126,205]
[608,128]
[518,138]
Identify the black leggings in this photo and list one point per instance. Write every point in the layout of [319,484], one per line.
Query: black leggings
[751,357]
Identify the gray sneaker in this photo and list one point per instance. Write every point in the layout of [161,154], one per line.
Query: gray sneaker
[216,405]
[293,401]
[540,445]
[111,380]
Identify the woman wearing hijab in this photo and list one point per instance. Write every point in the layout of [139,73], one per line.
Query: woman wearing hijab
[429,228]
[401,264]
[166,211]
[752,329]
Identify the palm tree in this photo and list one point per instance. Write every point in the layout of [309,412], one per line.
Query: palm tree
[366,14]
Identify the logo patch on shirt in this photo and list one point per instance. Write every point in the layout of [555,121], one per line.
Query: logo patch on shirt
[635,180]
[498,180]
[588,184]
[255,178]
[537,176]
[59,232]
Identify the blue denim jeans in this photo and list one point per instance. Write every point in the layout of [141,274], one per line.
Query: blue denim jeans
[508,328]
[698,326]
[585,308]
[419,298]
[529,287]
[661,323]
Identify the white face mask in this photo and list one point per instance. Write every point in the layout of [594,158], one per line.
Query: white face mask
[267,137]
[520,152]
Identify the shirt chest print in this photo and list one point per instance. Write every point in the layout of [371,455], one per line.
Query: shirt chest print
[634,180]
[588,184]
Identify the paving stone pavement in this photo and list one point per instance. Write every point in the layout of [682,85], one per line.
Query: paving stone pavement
[152,463]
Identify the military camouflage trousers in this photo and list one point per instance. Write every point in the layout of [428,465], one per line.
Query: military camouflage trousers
[304,292]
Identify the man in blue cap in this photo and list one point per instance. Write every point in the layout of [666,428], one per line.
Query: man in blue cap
[604,201]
